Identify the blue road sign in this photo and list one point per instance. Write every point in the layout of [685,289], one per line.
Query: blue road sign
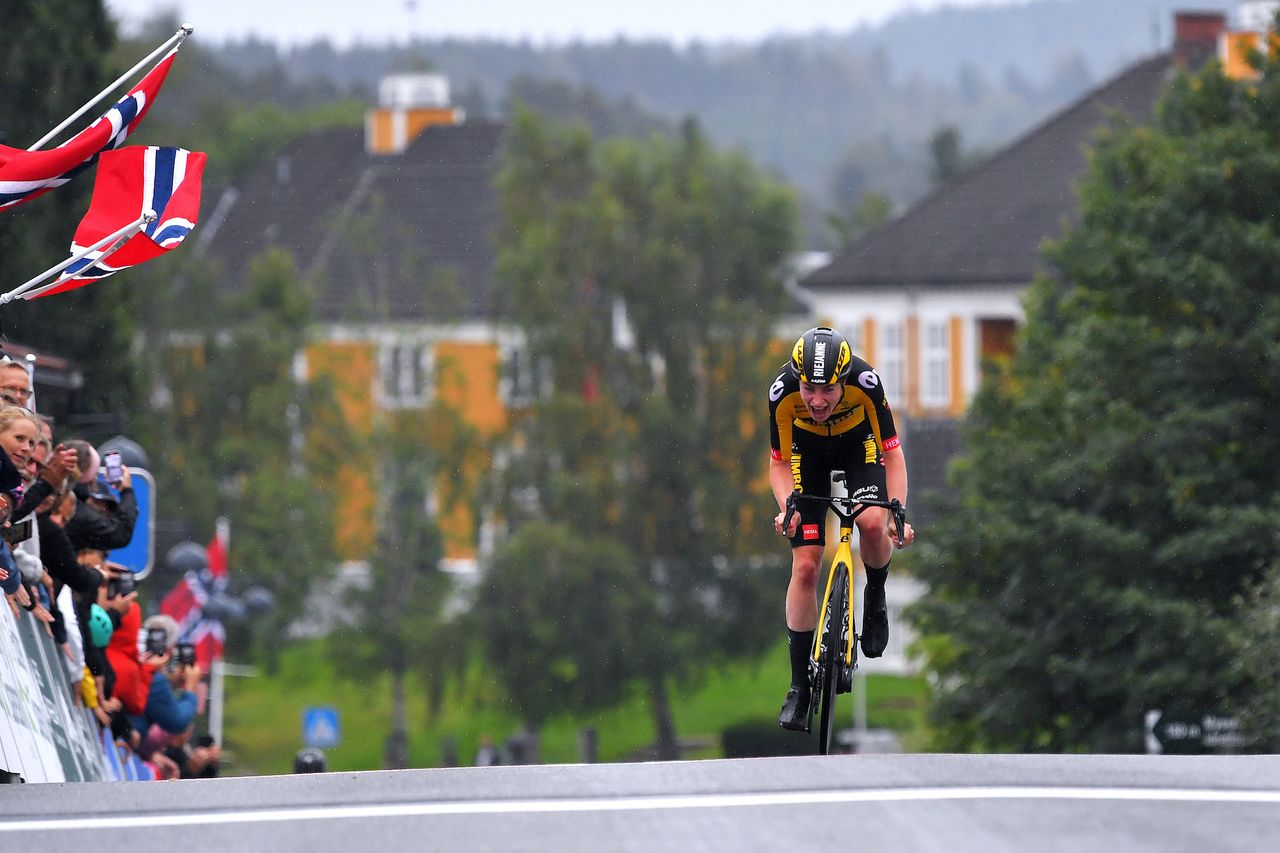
[139,555]
[320,727]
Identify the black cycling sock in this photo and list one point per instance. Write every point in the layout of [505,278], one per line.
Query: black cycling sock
[877,577]
[801,643]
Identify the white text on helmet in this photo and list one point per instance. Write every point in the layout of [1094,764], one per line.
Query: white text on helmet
[819,359]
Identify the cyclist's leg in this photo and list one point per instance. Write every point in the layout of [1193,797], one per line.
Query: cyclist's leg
[802,620]
[802,591]
[876,550]
[802,596]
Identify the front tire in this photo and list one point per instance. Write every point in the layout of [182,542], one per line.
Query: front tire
[832,658]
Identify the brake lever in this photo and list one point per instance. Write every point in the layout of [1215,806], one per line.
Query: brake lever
[899,513]
[791,511]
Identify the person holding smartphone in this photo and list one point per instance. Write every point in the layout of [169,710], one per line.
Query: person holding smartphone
[102,520]
[172,700]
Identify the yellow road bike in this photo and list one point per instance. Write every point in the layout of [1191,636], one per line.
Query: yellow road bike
[834,656]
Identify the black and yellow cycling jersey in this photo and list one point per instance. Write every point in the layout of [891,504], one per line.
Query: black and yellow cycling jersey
[853,439]
[863,404]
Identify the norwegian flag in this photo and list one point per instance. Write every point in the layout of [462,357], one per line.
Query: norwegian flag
[24,175]
[130,182]
[186,601]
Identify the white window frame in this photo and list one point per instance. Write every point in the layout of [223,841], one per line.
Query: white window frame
[521,379]
[936,363]
[890,363]
[406,373]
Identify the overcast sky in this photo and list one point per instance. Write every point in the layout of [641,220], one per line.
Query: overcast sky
[345,21]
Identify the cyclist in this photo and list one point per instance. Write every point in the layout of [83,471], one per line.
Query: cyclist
[827,412]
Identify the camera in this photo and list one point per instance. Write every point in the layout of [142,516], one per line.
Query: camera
[122,585]
[155,642]
[115,468]
[186,654]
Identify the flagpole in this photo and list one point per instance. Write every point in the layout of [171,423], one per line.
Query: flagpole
[179,37]
[122,236]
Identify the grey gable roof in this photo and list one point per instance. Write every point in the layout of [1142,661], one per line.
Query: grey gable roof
[375,230]
[987,226]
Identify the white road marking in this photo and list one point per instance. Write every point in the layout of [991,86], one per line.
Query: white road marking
[625,804]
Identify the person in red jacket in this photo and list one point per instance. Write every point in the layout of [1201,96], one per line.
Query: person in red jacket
[133,672]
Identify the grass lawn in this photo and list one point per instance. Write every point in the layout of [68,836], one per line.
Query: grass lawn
[263,717]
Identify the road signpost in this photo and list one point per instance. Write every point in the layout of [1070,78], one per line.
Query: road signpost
[1192,734]
[320,727]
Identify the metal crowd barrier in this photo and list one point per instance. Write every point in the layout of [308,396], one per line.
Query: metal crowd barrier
[45,736]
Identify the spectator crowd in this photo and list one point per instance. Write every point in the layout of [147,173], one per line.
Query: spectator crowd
[62,513]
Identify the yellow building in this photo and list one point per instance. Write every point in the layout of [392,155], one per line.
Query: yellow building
[393,225]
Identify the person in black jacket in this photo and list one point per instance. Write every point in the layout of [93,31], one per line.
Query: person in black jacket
[101,521]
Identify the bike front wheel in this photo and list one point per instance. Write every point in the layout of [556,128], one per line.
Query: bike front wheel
[832,658]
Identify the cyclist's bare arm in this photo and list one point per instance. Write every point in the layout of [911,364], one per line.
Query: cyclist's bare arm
[895,476]
[781,481]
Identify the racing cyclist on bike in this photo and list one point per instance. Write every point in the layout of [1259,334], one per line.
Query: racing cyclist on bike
[827,412]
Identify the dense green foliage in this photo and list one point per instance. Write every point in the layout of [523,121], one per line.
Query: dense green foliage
[1116,498]
[573,609]
[396,621]
[644,279]
[225,431]
[55,59]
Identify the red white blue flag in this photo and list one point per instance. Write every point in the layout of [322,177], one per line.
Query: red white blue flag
[27,174]
[186,601]
[130,182]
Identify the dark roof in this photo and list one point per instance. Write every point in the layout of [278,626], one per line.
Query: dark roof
[421,216]
[988,224]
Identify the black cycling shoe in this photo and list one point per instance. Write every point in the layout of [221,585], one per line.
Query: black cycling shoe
[795,710]
[875,622]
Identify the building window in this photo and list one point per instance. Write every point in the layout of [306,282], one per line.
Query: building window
[523,379]
[937,364]
[406,368]
[853,334]
[889,361]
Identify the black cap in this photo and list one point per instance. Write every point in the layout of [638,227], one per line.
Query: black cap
[309,760]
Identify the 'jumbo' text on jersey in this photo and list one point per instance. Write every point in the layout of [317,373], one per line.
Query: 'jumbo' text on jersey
[863,401]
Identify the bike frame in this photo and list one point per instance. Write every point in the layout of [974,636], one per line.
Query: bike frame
[844,552]
[848,509]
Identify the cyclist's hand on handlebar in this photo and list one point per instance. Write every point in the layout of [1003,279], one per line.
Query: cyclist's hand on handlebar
[791,528]
[908,537]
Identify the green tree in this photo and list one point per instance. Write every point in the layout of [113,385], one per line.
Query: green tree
[55,59]
[1110,509]
[644,279]
[240,435]
[400,623]
[945,156]
[562,615]
[871,210]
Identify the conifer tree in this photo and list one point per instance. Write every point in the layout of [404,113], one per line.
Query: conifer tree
[1118,493]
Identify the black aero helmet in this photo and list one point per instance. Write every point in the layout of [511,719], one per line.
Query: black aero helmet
[821,356]
[309,760]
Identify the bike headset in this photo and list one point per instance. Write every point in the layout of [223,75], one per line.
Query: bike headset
[821,356]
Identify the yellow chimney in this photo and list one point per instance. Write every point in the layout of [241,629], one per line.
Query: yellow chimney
[407,104]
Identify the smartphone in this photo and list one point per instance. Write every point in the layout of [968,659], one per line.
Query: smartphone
[115,468]
[122,585]
[16,533]
[185,654]
[155,641]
